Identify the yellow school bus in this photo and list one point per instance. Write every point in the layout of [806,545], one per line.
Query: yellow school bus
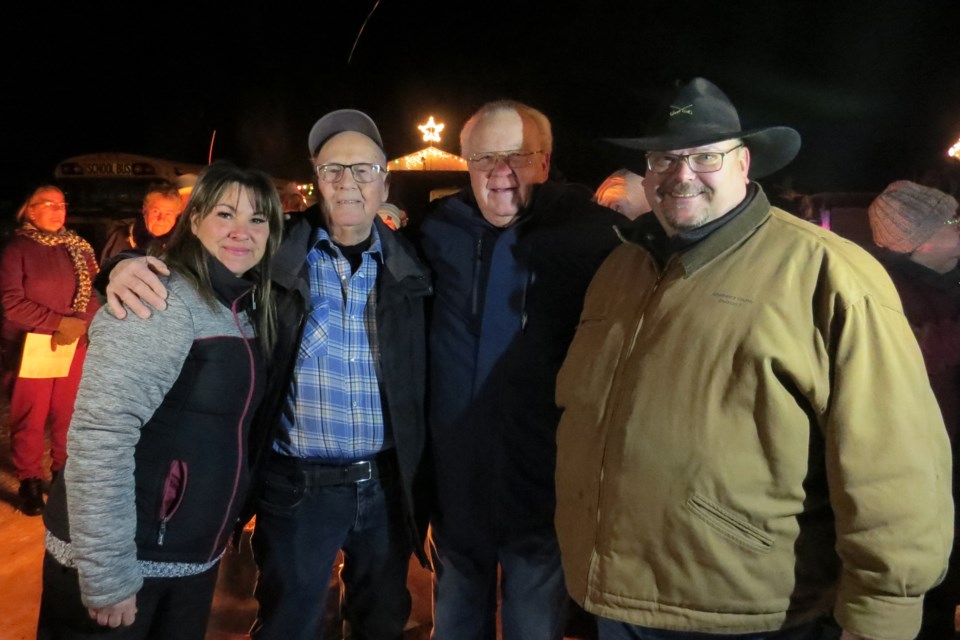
[112,185]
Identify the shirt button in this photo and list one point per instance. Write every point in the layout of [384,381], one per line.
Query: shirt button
[355,404]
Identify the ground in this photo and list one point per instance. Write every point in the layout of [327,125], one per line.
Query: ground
[21,555]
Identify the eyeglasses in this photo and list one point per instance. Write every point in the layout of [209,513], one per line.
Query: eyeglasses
[362,172]
[703,162]
[514,159]
[50,206]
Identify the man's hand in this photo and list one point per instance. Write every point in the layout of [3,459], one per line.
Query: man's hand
[846,635]
[121,614]
[68,331]
[134,282]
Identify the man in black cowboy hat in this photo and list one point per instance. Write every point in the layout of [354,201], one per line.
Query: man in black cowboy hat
[749,445]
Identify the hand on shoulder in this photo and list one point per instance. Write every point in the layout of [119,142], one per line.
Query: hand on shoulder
[134,283]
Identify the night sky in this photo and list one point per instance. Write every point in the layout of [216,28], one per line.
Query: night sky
[873,87]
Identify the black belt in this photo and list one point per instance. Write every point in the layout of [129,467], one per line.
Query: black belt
[318,472]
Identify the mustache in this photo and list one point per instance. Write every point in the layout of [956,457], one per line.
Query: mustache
[684,190]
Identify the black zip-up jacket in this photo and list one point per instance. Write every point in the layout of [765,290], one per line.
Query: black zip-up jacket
[403,283]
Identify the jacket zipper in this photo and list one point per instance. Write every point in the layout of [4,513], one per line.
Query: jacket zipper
[178,471]
[624,357]
[477,264]
[243,416]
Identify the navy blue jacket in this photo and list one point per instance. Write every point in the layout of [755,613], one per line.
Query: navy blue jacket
[507,303]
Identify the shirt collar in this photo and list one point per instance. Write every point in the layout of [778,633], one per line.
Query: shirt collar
[321,238]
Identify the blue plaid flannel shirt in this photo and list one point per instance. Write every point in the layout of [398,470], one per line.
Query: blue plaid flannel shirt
[333,407]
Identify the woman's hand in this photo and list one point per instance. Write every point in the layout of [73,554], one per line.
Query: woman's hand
[69,330]
[121,614]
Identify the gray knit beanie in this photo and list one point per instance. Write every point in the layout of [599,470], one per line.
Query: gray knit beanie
[906,214]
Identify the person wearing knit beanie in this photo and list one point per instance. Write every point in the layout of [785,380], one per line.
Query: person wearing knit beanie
[906,215]
[917,226]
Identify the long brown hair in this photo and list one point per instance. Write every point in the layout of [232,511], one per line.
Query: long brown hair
[185,253]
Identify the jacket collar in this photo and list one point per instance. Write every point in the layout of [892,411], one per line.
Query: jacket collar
[289,260]
[947,282]
[755,212]
[227,287]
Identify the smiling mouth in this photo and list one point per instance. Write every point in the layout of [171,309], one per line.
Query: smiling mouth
[681,194]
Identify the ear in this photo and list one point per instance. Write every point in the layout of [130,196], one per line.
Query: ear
[744,163]
[194,222]
[543,164]
[386,186]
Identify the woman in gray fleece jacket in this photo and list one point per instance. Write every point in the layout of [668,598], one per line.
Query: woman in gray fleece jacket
[157,449]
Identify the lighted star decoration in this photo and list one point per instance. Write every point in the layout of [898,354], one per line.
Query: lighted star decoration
[431,130]
[954,151]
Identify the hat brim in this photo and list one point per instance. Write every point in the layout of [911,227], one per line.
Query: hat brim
[771,148]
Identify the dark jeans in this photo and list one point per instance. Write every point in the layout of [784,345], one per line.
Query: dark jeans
[817,630]
[534,599]
[302,523]
[167,608]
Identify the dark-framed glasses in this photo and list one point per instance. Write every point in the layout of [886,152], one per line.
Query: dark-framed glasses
[515,159]
[701,162]
[50,206]
[362,171]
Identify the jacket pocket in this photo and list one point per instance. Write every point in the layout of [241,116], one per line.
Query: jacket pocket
[171,497]
[729,524]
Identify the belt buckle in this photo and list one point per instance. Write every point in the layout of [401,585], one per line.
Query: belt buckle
[363,464]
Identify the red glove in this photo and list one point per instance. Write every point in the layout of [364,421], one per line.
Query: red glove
[69,330]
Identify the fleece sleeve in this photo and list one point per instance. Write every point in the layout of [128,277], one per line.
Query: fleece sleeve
[130,366]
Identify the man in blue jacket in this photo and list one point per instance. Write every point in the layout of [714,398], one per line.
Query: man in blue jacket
[512,257]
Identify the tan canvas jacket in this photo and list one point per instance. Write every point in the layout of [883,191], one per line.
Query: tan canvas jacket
[749,439]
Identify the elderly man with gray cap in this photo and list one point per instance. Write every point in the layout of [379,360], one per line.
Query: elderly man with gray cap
[749,447]
[341,429]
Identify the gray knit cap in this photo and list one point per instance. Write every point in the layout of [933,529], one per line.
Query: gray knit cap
[907,214]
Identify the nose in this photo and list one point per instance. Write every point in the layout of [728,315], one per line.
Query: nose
[501,167]
[347,180]
[683,171]
[240,229]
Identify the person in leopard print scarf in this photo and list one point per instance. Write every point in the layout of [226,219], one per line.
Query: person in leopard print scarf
[46,272]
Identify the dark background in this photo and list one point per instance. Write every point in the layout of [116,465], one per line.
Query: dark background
[873,87]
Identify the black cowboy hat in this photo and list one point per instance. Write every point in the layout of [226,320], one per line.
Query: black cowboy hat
[700,114]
